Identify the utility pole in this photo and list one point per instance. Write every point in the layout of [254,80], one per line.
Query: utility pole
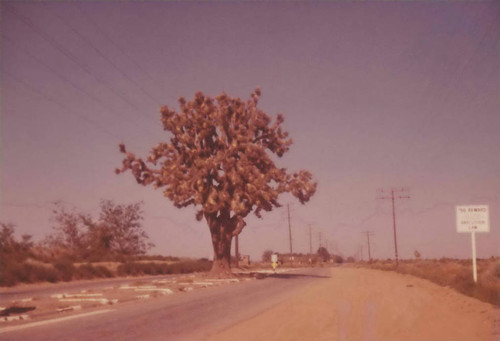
[237,251]
[290,232]
[310,241]
[368,234]
[392,196]
[319,237]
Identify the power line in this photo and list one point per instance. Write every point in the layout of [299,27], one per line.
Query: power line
[117,46]
[392,197]
[69,110]
[99,52]
[68,54]
[58,74]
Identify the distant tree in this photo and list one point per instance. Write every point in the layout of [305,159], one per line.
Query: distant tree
[323,253]
[7,240]
[70,232]
[120,229]
[417,254]
[337,259]
[217,160]
[117,232]
[266,256]
[12,249]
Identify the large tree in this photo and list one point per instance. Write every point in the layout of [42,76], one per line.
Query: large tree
[219,159]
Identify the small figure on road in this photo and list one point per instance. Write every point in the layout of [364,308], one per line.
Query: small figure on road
[274,260]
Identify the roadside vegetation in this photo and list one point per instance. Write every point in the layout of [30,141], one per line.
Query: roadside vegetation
[82,247]
[453,273]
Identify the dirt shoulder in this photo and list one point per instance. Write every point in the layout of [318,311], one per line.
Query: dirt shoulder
[364,304]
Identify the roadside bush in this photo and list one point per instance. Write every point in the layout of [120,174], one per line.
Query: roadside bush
[157,258]
[127,269]
[103,271]
[186,266]
[65,269]
[86,271]
[14,272]
[89,271]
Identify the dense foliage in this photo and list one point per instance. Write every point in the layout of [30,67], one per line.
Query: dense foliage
[219,160]
[116,233]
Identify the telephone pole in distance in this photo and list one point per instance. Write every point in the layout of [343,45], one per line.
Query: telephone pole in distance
[400,193]
[368,234]
[290,232]
[310,241]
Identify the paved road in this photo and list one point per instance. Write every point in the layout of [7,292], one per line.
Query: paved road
[191,316]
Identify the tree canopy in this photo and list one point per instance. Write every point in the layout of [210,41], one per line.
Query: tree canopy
[219,159]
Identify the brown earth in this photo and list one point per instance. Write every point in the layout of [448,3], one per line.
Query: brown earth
[364,304]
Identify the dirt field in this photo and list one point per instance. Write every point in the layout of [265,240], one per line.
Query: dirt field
[363,304]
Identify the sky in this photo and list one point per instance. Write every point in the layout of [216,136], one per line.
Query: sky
[376,95]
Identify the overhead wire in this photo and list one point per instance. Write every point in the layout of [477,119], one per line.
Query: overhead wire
[103,33]
[58,74]
[28,22]
[50,99]
[102,54]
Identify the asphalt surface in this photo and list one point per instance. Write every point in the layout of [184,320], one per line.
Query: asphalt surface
[191,316]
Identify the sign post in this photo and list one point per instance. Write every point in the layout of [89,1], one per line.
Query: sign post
[474,266]
[473,218]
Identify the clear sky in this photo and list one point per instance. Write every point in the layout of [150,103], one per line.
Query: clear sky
[375,95]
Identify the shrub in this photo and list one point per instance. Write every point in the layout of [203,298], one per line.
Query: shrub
[186,266]
[15,272]
[86,271]
[65,269]
[103,271]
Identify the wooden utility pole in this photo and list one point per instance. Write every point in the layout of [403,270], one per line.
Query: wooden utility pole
[290,232]
[310,241]
[237,251]
[368,234]
[392,196]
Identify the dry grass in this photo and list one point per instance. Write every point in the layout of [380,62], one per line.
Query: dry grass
[111,266]
[456,274]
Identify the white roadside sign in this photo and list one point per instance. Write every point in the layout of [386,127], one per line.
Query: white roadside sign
[473,218]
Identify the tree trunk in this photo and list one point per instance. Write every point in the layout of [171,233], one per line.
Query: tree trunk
[221,230]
